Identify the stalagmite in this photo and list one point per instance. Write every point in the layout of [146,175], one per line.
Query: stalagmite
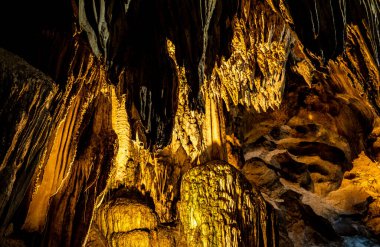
[219,208]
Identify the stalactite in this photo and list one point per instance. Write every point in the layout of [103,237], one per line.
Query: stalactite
[317,16]
[208,13]
[334,25]
[126,6]
[103,29]
[83,22]
[372,9]
[343,11]
[120,123]
[254,75]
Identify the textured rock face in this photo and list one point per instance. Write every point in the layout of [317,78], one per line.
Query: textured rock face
[123,222]
[27,111]
[358,193]
[189,123]
[254,74]
[219,208]
[298,156]
[123,216]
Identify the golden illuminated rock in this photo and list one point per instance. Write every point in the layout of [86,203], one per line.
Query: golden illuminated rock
[143,238]
[360,191]
[220,208]
[254,74]
[124,222]
[188,122]
[32,118]
[135,238]
[51,178]
[123,215]
[56,166]
[120,123]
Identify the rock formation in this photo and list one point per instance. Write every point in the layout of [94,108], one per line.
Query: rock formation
[220,208]
[190,123]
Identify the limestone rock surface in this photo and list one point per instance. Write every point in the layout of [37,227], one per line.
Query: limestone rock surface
[219,208]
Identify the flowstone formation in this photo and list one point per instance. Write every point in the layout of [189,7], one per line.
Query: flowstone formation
[220,208]
[124,222]
[189,123]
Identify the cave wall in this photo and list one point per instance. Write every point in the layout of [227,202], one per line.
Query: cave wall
[222,123]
